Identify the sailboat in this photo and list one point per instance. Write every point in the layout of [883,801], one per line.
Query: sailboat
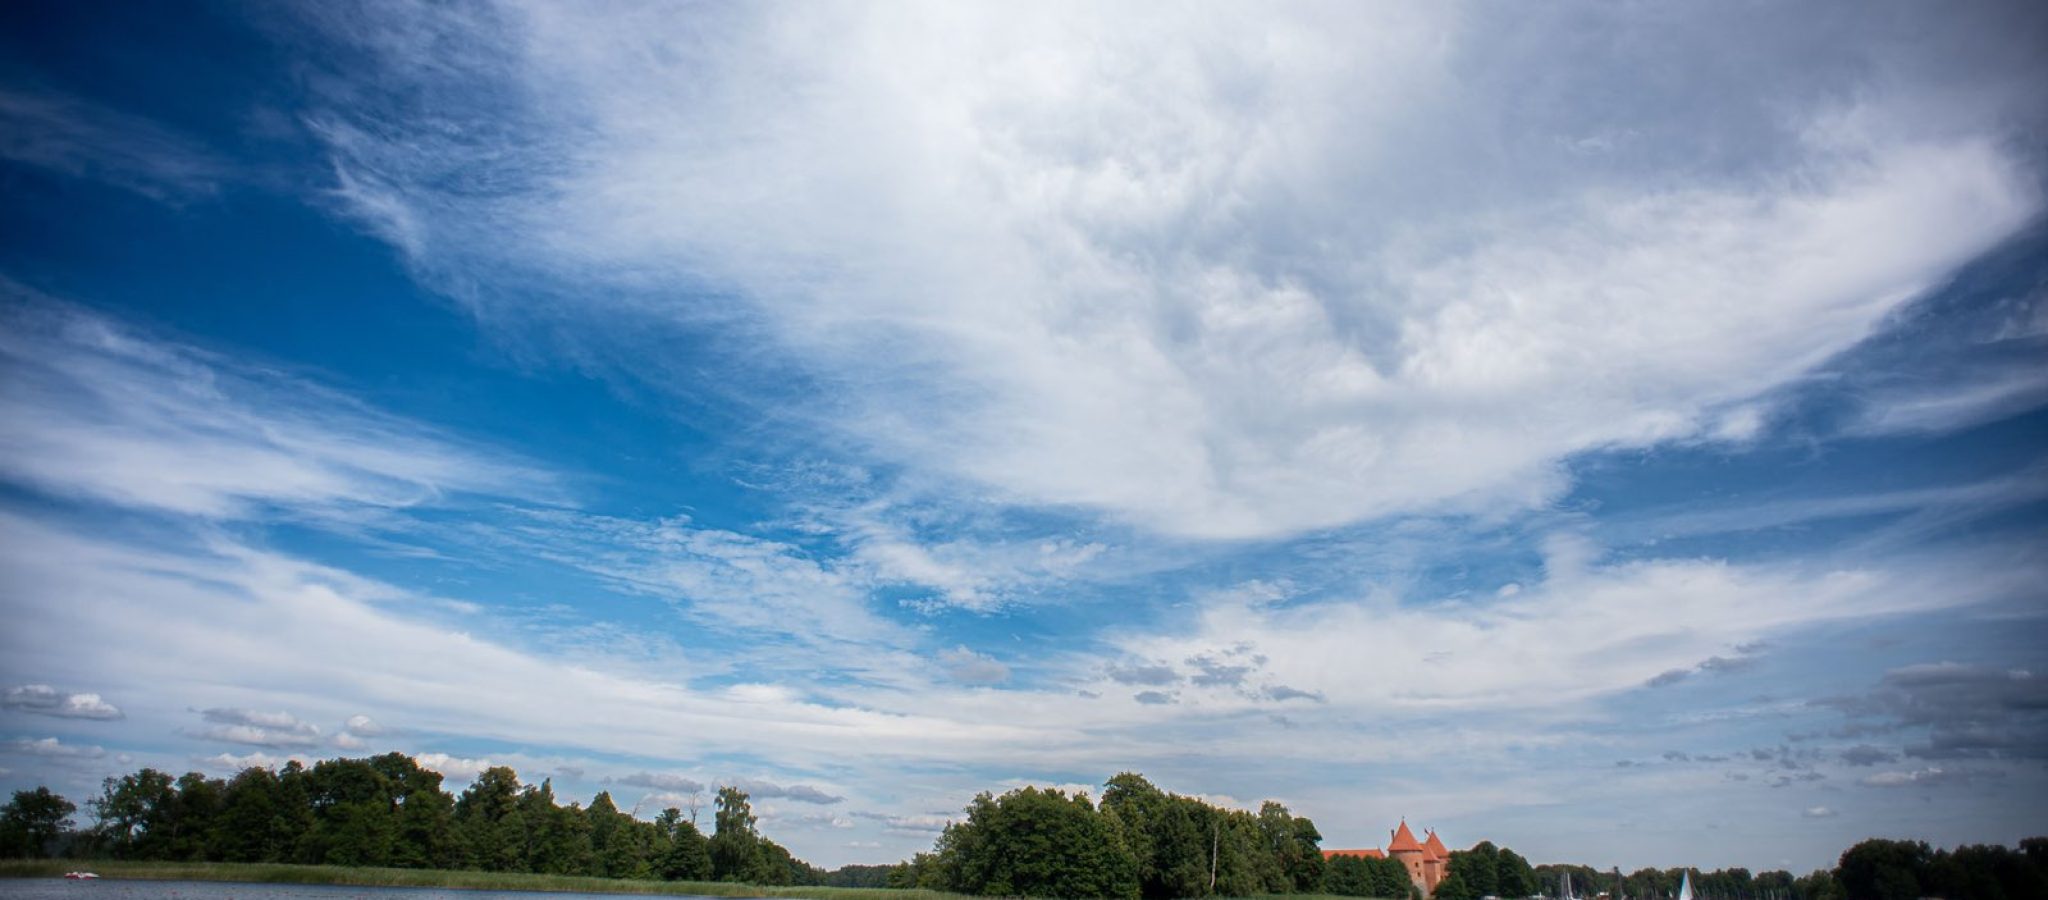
[1564,887]
[1685,886]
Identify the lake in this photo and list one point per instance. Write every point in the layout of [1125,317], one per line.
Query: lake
[126,889]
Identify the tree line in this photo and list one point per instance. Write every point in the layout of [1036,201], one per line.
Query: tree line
[1875,869]
[1138,843]
[389,811]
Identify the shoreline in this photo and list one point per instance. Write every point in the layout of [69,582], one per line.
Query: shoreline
[447,879]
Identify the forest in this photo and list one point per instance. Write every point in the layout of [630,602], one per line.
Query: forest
[1137,843]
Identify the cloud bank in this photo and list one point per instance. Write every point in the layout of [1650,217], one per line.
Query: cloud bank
[1235,275]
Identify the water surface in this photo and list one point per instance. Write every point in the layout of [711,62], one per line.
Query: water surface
[130,889]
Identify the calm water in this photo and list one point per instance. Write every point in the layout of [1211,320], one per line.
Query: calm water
[111,889]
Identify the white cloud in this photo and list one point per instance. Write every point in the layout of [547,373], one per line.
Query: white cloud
[363,725]
[229,762]
[1632,622]
[105,413]
[760,789]
[968,667]
[1305,279]
[258,728]
[663,781]
[458,767]
[45,700]
[355,734]
[1928,777]
[315,638]
[1819,812]
[723,579]
[53,748]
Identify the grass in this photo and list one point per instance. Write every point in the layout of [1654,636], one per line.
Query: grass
[278,873]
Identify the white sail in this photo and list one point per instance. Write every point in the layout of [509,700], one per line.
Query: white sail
[1685,886]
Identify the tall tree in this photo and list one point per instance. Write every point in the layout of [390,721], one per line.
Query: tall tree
[685,853]
[423,815]
[735,847]
[252,813]
[490,824]
[31,823]
[131,813]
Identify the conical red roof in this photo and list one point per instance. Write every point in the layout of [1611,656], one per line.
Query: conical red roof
[1404,840]
[1435,846]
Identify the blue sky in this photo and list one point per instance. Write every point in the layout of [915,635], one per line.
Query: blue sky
[1617,433]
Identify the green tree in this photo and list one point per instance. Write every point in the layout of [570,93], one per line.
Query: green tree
[1037,843]
[1880,869]
[131,812]
[489,823]
[1349,876]
[250,825]
[1471,874]
[1819,885]
[735,846]
[422,814]
[354,821]
[1513,876]
[557,837]
[193,808]
[622,844]
[31,823]
[685,854]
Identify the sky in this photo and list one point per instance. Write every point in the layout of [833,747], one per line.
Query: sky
[1616,431]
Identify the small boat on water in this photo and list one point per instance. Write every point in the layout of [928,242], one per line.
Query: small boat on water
[81,875]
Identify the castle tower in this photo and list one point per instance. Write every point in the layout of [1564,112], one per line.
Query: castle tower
[1410,852]
[1437,859]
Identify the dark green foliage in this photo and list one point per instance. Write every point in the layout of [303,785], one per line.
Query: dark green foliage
[1183,847]
[32,823]
[131,811]
[1513,876]
[735,847]
[1884,870]
[489,825]
[681,852]
[388,811]
[1471,874]
[1354,876]
[857,876]
[1035,843]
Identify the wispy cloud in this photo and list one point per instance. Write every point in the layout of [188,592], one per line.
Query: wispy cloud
[968,667]
[1956,711]
[1637,623]
[1928,777]
[103,412]
[82,139]
[1140,325]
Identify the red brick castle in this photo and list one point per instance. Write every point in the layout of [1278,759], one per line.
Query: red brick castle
[1425,859]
